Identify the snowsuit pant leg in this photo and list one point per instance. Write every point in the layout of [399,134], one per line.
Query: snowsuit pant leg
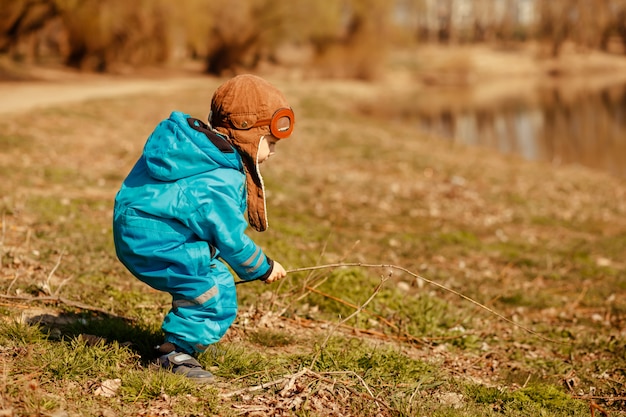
[196,322]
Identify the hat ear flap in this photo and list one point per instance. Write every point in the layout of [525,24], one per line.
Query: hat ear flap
[257,214]
[248,150]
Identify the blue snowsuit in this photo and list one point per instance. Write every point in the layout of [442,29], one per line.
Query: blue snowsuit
[179,213]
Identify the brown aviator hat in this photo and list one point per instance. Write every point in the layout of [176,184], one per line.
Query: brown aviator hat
[246,108]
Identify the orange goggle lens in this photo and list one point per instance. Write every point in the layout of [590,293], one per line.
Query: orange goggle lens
[281,124]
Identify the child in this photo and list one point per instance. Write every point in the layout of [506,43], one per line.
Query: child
[180,213]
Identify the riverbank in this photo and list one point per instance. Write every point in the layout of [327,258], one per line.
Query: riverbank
[516,101]
[484,75]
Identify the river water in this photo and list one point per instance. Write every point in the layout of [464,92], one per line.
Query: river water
[587,128]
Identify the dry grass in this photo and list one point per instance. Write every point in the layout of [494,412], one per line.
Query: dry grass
[542,246]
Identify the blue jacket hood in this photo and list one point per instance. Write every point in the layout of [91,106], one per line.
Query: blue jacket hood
[175,150]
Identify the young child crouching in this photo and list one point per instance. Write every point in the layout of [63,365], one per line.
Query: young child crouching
[179,215]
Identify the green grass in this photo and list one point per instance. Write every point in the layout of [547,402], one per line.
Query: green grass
[545,400]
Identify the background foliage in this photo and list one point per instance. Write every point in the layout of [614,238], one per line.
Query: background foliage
[344,38]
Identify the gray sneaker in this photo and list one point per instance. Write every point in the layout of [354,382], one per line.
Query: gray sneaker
[182,363]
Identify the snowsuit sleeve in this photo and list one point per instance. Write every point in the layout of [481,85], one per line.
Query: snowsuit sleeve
[219,220]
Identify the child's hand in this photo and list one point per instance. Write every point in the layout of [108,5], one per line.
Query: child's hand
[278,273]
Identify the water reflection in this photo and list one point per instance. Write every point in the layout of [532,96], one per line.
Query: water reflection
[587,129]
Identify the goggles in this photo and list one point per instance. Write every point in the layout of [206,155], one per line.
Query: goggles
[281,123]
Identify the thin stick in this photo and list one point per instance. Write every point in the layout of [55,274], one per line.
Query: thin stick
[358,310]
[380,335]
[324,279]
[47,286]
[265,385]
[379,317]
[306,371]
[593,406]
[17,273]
[62,284]
[436,284]
[369,391]
[599,397]
[355,330]
[57,299]
[369,395]
[308,284]
[339,300]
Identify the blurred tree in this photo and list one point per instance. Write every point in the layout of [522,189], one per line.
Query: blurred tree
[555,23]
[347,36]
[342,38]
[243,32]
[592,16]
[483,27]
[367,37]
[353,39]
[116,32]
[616,26]
[20,20]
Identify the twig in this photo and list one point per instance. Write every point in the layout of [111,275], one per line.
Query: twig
[17,274]
[593,406]
[599,397]
[408,338]
[369,394]
[57,299]
[431,282]
[307,286]
[379,317]
[369,391]
[47,286]
[415,391]
[383,279]
[265,385]
[339,300]
[290,379]
[62,284]
[52,296]
[319,258]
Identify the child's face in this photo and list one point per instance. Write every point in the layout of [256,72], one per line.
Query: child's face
[266,148]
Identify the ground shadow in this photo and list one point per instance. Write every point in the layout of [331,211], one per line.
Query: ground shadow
[96,328]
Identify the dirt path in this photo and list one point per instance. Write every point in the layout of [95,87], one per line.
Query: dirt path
[28,95]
